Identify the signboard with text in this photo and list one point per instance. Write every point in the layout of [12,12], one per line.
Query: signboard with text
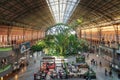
[24,47]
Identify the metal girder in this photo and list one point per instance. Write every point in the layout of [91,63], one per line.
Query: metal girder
[28,10]
[93,12]
[96,11]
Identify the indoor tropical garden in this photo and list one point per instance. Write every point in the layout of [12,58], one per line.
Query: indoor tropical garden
[61,40]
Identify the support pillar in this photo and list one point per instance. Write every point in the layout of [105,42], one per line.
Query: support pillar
[90,38]
[100,39]
[85,35]
[116,34]
[115,44]
[37,35]
[24,34]
[100,35]
[8,34]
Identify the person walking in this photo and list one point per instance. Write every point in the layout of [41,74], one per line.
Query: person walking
[87,78]
[110,73]
[88,55]
[34,61]
[105,72]
[96,63]
[100,63]
[92,62]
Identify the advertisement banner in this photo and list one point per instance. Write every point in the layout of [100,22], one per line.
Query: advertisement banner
[24,47]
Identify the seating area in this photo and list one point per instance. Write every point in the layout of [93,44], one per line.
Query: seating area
[79,71]
[66,71]
[47,66]
[75,71]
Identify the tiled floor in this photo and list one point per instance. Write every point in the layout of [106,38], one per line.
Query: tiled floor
[27,73]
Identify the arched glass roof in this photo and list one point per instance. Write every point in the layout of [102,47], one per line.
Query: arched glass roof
[59,28]
[42,14]
[62,9]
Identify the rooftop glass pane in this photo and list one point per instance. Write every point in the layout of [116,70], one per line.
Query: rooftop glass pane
[58,29]
[62,8]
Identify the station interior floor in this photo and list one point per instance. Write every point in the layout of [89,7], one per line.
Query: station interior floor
[27,73]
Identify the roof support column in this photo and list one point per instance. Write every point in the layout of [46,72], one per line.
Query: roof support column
[24,34]
[8,34]
[84,34]
[91,36]
[115,44]
[115,26]
[37,35]
[32,36]
[100,35]
[100,39]
[91,41]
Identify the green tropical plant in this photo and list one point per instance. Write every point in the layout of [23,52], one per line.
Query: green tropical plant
[62,43]
[39,46]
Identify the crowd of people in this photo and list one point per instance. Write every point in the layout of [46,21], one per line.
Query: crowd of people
[61,74]
[3,62]
[107,71]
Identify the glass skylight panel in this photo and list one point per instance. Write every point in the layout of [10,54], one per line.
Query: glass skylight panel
[62,9]
[59,29]
[51,1]
[74,0]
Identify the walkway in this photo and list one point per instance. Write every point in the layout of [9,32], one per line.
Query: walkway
[27,73]
[101,69]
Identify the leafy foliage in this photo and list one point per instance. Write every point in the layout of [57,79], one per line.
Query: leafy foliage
[62,44]
[76,22]
[39,46]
